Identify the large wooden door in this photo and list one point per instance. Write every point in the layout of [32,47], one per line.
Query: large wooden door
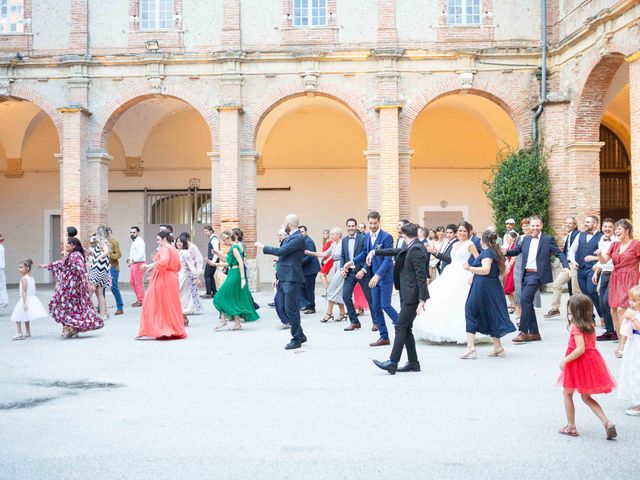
[615,176]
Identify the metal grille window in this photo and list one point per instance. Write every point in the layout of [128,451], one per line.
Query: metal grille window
[156,14]
[464,12]
[11,16]
[309,13]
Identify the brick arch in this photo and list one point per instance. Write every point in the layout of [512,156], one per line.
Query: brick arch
[25,93]
[258,111]
[105,119]
[508,100]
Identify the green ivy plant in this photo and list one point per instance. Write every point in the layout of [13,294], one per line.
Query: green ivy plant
[519,187]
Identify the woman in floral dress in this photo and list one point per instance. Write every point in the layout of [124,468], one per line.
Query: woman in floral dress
[71,304]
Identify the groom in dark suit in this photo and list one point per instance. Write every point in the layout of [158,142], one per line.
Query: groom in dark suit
[290,276]
[536,250]
[410,277]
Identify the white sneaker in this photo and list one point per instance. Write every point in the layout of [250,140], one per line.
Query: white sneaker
[18,337]
[633,412]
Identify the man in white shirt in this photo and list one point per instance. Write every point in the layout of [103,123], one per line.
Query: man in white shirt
[601,276]
[213,245]
[4,298]
[137,257]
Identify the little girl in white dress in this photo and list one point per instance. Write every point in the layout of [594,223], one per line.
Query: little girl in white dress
[29,307]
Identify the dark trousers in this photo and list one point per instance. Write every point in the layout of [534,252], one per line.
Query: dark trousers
[209,279]
[381,297]
[404,334]
[530,285]
[347,295]
[115,275]
[603,293]
[278,299]
[291,297]
[588,288]
[308,292]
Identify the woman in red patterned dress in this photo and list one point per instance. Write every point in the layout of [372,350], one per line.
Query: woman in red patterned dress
[327,262]
[626,274]
[509,282]
[71,304]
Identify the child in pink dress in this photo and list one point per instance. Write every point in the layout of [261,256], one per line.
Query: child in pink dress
[583,368]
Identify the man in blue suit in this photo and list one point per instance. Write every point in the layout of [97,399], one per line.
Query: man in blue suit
[381,283]
[584,250]
[354,272]
[536,250]
[290,276]
[310,269]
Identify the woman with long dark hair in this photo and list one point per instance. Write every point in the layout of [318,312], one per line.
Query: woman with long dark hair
[486,308]
[71,303]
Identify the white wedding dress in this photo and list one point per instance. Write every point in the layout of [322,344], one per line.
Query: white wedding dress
[443,319]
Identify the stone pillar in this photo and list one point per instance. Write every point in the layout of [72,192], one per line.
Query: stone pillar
[229,179]
[634,128]
[405,185]
[248,199]
[389,167]
[554,128]
[215,190]
[373,179]
[584,157]
[97,188]
[73,171]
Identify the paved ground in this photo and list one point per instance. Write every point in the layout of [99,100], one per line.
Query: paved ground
[236,405]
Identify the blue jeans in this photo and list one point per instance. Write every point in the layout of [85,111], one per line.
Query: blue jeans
[115,274]
[381,297]
[588,288]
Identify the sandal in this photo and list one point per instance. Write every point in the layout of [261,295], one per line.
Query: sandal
[497,353]
[569,431]
[610,428]
[618,353]
[237,328]
[342,317]
[18,337]
[220,326]
[469,355]
[327,317]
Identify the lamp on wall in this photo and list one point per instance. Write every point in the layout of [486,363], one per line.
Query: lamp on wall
[152,46]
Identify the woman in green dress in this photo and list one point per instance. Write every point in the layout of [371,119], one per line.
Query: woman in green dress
[233,299]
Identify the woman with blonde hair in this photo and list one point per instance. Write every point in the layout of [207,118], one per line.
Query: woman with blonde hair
[99,272]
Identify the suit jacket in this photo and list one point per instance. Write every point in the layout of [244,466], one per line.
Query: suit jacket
[381,266]
[358,248]
[409,271]
[445,257]
[290,255]
[547,246]
[310,264]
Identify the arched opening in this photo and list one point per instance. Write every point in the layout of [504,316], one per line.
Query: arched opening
[615,166]
[30,180]
[160,171]
[457,140]
[311,163]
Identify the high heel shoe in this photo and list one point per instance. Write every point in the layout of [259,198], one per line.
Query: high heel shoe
[220,326]
[469,355]
[497,353]
[342,317]
[327,317]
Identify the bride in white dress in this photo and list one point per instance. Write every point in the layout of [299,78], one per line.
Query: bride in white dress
[443,318]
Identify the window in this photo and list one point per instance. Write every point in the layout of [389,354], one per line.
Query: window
[11,16]
[156,14]
[310,13]
[464,12]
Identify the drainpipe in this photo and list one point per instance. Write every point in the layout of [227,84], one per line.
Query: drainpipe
[543,80]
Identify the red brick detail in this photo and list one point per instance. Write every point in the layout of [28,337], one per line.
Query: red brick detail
[79,35]
[106,118]
[231,39]
[21,91]
[387,29]
[292,35]
[169,40]
[21,42]
[257,111]
[513,102]
[466,35]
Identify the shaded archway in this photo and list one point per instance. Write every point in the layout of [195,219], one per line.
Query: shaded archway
[311,163]
[456,141]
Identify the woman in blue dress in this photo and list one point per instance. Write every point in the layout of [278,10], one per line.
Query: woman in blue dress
[486,307]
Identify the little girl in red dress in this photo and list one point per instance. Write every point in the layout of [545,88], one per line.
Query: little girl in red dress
[583,368]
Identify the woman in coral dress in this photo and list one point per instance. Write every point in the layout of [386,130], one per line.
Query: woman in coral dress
[161,316]
[509,282]
[71,304]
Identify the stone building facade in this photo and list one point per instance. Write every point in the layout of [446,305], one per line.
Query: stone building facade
[240,111]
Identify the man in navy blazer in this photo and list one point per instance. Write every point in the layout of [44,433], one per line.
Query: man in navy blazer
[290,277]
[536,250]
[310,269]
[381,282]
[353,245]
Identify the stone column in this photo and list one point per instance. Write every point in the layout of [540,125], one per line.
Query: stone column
[373,179]
[405,185]
[634,128]
[248,199]
[229,179]
[389,167]
[97,188]
[215,190]
[585,178]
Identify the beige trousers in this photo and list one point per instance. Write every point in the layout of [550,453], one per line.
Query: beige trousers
[558,285]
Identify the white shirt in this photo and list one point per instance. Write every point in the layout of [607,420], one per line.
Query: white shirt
[2,264]
[533,253]
[604,246]
[137,251]
[215,243]
[571,251]
[400,242]
[351,245]
[374,237]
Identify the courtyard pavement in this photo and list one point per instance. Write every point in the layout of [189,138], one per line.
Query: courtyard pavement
[236,405]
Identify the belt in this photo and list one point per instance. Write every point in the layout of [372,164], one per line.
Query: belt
[235,266]
[531,270]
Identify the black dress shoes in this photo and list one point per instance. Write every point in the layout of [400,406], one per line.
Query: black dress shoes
[389,366]
[293,344]
[410,367]
[309,311]
[304,339]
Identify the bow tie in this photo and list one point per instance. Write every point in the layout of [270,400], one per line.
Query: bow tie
[606,239]
[535,236]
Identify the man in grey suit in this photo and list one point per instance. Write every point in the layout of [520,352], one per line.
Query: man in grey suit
[290,277]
